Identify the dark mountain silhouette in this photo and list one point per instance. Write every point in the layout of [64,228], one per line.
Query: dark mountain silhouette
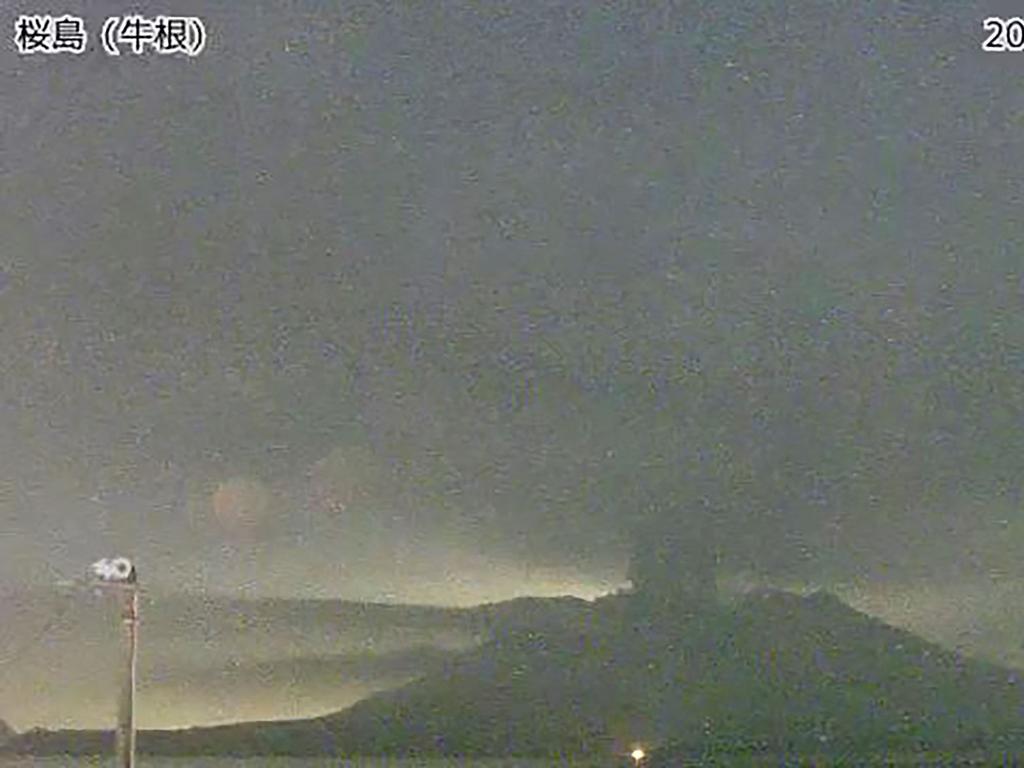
[778,672]
[775,673]
[6,732]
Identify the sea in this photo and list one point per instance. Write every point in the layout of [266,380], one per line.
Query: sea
[277,762]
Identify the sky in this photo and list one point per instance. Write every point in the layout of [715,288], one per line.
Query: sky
[445,302]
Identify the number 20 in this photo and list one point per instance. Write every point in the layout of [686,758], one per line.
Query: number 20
[1006,34]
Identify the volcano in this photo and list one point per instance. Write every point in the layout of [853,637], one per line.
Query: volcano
[774,674]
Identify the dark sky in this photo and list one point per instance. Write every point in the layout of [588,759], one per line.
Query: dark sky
[427,301]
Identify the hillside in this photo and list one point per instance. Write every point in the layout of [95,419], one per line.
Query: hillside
[776,673]
[779,672]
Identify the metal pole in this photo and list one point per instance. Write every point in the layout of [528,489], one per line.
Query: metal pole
[125,736]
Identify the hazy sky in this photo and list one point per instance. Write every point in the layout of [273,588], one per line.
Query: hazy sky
[426,301]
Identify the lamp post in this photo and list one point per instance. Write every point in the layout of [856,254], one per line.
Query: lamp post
[119,575]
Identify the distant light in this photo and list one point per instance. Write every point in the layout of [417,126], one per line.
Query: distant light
[637,755]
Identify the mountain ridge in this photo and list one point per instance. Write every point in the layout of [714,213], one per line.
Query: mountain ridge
[775,673]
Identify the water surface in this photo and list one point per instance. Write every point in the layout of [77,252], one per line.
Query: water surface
[276,762]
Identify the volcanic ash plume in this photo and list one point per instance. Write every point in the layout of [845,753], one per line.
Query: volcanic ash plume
[674,559]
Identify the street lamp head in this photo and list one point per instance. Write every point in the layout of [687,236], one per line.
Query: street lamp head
[115,570]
